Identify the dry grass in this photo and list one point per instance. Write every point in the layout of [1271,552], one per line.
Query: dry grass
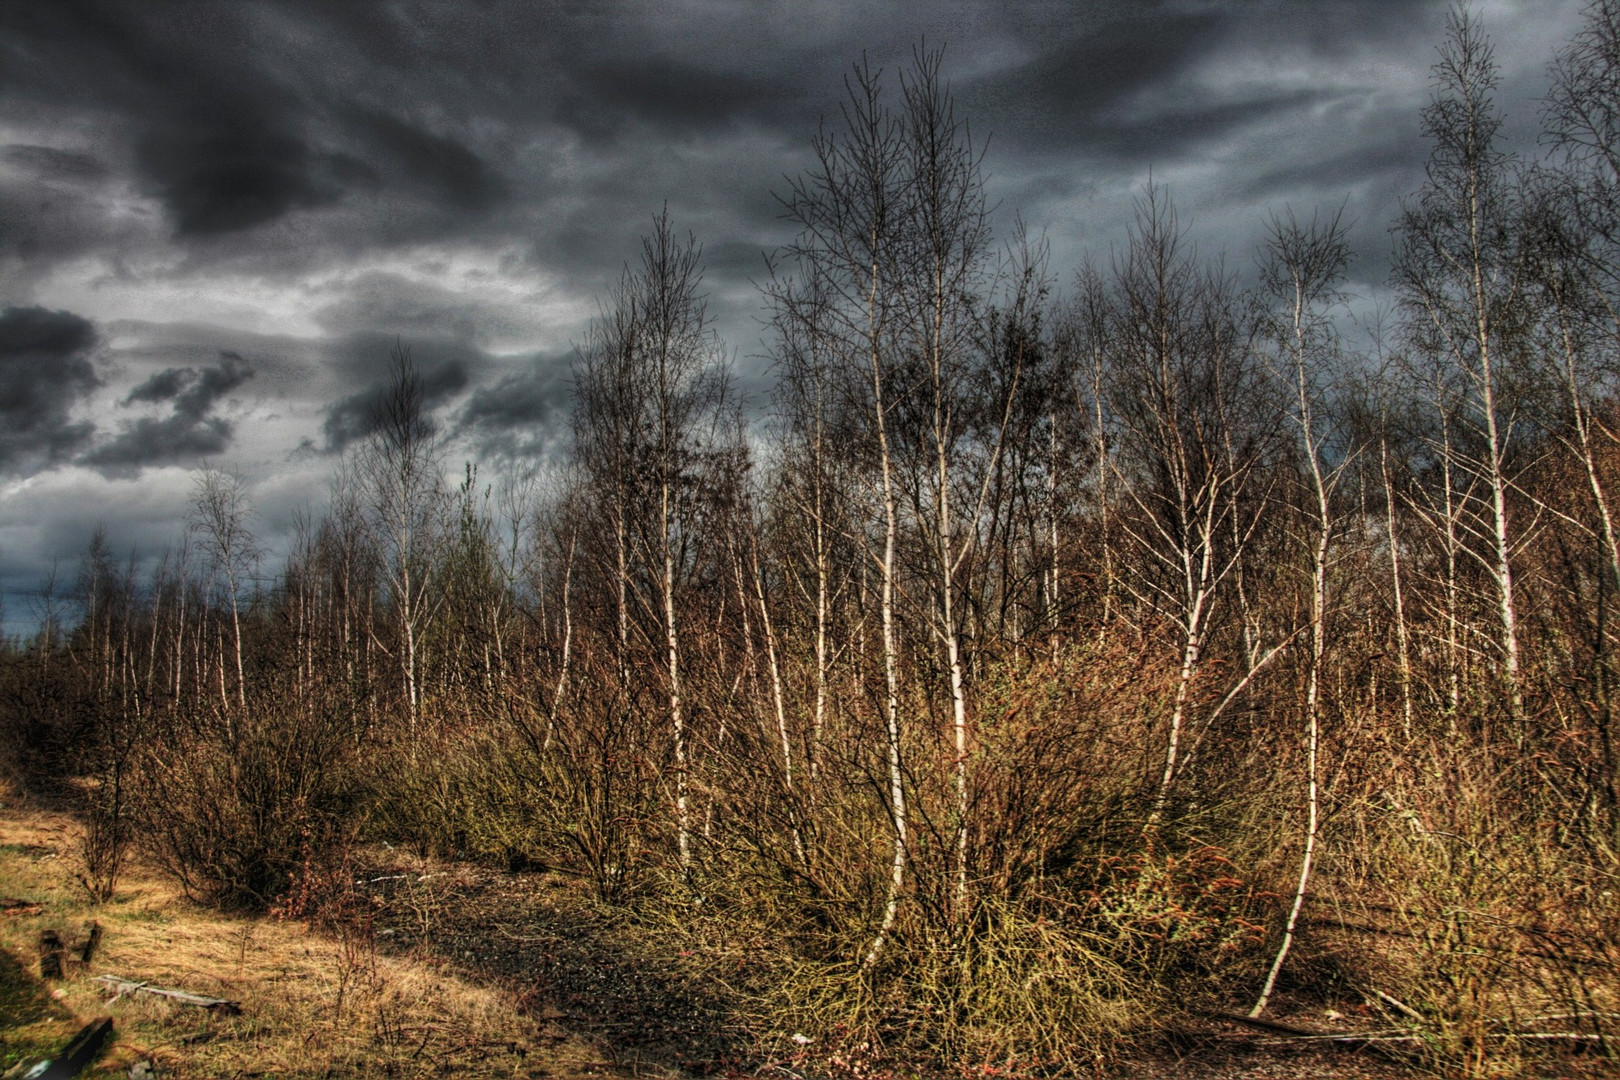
[313,1004]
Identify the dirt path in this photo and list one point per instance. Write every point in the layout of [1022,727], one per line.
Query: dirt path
[314,1004]
[567,965]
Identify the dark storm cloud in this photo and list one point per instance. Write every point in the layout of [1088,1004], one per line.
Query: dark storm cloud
[194,392]
[283,137]
[216,137]
[1398,154]
[523,414]
[1112,90]
[238,115]
[354,417]
[239,176]
[171,440]
[164,386]
[45,370]
[437,163]
[1067,90]
[188,434]
[663,91]
[250,113]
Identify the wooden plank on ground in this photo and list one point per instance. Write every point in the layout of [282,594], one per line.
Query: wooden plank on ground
[130,986]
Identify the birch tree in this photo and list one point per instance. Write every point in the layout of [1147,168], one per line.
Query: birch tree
[1192,421]
[943,242]
[652,389]
[1302,273]
[401,477]
[849,209]
[221,519]
[1461,279]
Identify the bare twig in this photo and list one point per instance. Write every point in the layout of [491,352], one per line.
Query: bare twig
[1400,1007]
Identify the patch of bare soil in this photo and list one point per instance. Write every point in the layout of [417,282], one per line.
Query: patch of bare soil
[578,968]
[1220,1050]
[312,1004]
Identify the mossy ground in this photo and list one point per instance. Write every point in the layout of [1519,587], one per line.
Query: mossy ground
[32,1025]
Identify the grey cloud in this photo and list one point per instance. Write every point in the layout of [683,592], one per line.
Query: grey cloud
[164,386]
[188,434]
[48,162]
[45,370]
[735,259]
[280,135]
[1178,133]
[171,440]
[212,384]
[661,90]
[54,204]
[382,303]
[523,415]
[437,163]
[1400,153]
[1065,88]
[354,417]
[234,178]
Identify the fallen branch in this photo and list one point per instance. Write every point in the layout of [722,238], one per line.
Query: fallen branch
[125,990]
[11,905]
[1399,1006]
[130,986]
[1379,1037]
[1298,1034]
[1370,1038]
[1269,1025]
[1582,1014]
[1503,950]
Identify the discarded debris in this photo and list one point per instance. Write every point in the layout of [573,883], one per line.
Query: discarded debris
[92,941]
[130,986]
[57,959]
[80,1051]
[52,955]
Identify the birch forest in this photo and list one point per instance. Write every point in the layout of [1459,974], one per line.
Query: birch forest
[1048,658]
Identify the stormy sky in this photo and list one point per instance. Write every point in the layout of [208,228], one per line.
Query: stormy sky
[217,218]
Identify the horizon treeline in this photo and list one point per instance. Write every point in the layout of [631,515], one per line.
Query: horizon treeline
[1058,657]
